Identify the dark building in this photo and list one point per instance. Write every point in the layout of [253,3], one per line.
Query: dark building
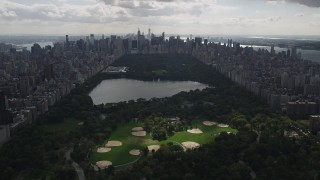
[301,109]
[314,123]
[125,43]
[81,45]
[4,115]
[24,86]
[206,42]
[48,72]
[198,41]
[36,49]
[288,53]
[134,44]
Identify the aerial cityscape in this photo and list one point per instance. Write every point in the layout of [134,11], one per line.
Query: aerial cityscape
[126,89]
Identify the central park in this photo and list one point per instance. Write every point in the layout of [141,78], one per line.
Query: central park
[132,137]
[220,131]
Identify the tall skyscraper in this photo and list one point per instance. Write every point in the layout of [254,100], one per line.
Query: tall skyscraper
[48,72]
[149,33]
[3,101]
[67,39]
[91,39]
[288,53]
[198,41]
[24,86]
[272,49]
[87,43]
[294,52]
[3,108]
[205,42]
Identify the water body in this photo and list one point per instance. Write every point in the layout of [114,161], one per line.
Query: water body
[312,55]
[117,90]
[29,45]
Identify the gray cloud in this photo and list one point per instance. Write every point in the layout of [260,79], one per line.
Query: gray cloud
[310,3]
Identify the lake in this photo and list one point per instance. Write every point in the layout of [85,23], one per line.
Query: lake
[117,90]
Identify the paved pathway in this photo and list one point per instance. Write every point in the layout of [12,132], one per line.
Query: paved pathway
[75,165]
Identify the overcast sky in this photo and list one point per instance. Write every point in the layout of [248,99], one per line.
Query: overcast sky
[207,17]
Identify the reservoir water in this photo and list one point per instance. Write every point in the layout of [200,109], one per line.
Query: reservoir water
[117,90]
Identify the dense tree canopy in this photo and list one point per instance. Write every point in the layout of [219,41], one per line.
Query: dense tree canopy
[262,148]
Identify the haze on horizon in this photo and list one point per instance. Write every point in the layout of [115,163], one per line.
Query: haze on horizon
[225,17]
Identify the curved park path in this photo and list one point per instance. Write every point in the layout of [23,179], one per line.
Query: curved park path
[75,165]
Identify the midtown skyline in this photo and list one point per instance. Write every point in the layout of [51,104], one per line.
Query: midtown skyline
[228,17]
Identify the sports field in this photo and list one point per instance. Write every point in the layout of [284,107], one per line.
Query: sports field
[119,155]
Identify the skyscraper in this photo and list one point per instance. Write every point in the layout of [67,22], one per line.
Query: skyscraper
[3,101]
[48,72]
[288,53]
[3,108]
[24,86]
[272,49]
[91,39]
[294,52]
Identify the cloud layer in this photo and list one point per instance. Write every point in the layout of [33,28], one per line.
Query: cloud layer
[309,3]
[185,16]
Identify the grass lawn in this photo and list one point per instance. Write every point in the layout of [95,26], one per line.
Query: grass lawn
[160,72]
[120,155]
[67,125]
[303,123]
[204,138]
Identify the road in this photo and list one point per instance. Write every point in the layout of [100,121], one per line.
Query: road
[75,165]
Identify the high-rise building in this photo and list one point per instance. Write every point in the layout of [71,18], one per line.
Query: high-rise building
[67,39]
[206,42]
[91,39]
[272,49]
[134,44]
[36,49]
[149,33]
[87,43]
[24,86]
[3,108]
[294,52]
[3,101]
[314,125]
[288,53]
[48,72]
[198,41]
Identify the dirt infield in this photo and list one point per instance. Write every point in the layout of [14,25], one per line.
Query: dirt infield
[135,152]
[81,123]
[209,123]
[195,131]
[103,164]
[153,147]
[190,145]
[139,133]
[103,150]
[137,129]
[113,144]
[223,125]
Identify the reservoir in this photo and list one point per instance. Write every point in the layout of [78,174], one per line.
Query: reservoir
[117,90]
